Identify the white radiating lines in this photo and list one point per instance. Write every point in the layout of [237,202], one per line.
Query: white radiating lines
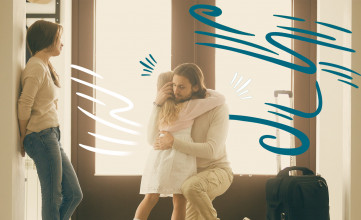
[242,86]
[107,123]
[86,71]
[113,113]
[112,140]
[103,151]
[90,98]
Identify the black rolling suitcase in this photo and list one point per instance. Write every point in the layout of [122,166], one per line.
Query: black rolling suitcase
[297,197]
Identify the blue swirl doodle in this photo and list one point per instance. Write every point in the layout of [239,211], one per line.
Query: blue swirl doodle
[340,67]
[337,73]
[236,40]
[351,84]
[308,32]
[284,151]
[299,113]
[310,69]
[289,17]
[309,40]
[281,115]
[215,12]
[333,26]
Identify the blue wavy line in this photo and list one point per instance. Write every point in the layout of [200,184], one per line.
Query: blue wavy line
[351,84]
[284,151]
[308,32]
[310,69]
[289,17]
[282,115]
[299,113]
[235,40]
[280,34]
[340,67]
[333,26]
[337,73]
[214,12]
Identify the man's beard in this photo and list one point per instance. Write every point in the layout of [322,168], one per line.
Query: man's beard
[183,100]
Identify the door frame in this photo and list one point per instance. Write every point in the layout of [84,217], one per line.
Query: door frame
[98,202]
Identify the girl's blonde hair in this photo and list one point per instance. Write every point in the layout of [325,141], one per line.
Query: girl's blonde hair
[170,109]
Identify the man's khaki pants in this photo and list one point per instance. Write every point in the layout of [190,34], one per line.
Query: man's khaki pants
[202,188]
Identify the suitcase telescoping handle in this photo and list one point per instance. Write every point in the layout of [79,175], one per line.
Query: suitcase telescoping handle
[287,92]
[285,171]
[278,157]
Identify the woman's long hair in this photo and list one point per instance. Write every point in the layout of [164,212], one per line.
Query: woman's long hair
[170,109]
[44,34]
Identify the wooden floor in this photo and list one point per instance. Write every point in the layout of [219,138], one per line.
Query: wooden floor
[245,198]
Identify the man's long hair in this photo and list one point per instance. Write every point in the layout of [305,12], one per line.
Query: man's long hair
[195,76]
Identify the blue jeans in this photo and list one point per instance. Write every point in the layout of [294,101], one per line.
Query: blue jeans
[60,189]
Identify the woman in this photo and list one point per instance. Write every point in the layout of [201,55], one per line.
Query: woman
[39,123]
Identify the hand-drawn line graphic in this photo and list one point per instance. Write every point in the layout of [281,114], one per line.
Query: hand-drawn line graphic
[148,65]
[242,86]
[308,67]
[113,113]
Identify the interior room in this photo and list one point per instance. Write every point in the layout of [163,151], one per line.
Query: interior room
[249,51]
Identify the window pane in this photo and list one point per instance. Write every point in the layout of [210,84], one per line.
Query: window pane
[256,17]
[126,33]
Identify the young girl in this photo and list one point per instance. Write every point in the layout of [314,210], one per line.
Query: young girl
[39,123]
[166,170]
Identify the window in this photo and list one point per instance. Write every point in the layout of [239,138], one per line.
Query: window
[143,29]
[125,35]
[259,78]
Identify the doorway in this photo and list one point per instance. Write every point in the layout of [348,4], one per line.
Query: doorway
[112,196]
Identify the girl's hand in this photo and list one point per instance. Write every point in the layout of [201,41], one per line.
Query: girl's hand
[164,93]
[164,141]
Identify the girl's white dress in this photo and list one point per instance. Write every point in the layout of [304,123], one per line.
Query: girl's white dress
[166,170]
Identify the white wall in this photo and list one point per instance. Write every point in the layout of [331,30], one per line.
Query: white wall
[331,141]
[12,59]
[62,66]
[338,143]
[355,152]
